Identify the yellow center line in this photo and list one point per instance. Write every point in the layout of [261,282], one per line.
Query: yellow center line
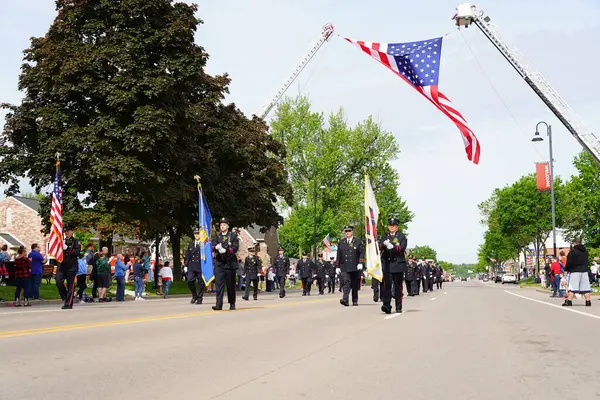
[61,328]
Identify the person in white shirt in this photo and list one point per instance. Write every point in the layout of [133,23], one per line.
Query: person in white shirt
[166,274]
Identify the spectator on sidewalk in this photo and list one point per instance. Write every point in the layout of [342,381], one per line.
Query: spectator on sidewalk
[556,274]
[138,278]
[166,275]
[103,274]
[120,271]
[22,272]
[82,268]
[37,267]
[578,268]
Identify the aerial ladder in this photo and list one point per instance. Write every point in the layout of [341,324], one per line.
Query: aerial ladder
[326,33]
[468,14]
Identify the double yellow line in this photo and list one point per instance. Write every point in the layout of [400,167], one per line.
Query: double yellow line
[62,328]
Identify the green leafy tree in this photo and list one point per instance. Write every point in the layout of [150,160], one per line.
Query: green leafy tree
[423,252]
[332,156]
[119,89]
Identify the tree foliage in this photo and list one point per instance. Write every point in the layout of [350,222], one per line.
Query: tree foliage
[333,154]
[423,252]
[119,89]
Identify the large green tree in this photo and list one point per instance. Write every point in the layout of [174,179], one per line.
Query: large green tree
[331,156]
[119,89]
[423,252]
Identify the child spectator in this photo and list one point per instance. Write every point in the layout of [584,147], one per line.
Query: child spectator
[166,276]
[22,271]
[564,284]
[138,278]
[82,269]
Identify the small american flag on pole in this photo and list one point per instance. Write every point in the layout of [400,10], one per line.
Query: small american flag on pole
[56,225]
[418,64]
[327,243]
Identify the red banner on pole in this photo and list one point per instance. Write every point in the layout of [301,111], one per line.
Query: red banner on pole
[542,176]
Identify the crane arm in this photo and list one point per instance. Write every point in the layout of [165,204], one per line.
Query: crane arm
[326,33]
[468,14]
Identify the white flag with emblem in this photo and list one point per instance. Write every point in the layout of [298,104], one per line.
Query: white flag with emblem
[372,256]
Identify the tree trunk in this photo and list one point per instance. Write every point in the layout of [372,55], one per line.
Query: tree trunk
[175,239]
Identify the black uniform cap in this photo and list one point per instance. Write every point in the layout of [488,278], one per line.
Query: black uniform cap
[280,248]
[68,228]
[348,228]
[196,230]
[224,221]
[304,253]
[251,248]
[393,221]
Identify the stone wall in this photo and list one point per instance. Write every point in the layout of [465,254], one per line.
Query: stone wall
[22,222]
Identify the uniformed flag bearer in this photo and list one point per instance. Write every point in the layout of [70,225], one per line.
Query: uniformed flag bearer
[282,268]
[225,246]
[350,259]
[393,247]
[194,268]
[252,266]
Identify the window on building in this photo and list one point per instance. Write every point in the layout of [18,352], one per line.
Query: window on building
[8,216]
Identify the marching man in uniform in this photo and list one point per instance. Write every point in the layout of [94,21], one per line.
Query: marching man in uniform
[225,246]
[194,268]
[330,268]
[252,265]
[320,270]
[305,268]
[350,258]
[392,246]
[282,268]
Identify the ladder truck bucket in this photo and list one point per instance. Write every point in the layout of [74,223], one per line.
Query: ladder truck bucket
[465,14]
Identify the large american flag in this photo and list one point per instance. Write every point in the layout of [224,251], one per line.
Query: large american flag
[418,64]
[56,225]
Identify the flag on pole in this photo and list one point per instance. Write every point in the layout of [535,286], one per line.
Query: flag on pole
[204,228]
[373,258]
[327,243]
[56,224]
[418,64]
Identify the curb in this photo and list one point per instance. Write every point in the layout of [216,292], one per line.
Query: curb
[549,291]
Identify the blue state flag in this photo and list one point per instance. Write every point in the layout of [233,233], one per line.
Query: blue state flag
[204,226]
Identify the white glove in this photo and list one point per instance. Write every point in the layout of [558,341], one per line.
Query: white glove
[222,250]
[359,266]
[219,247]
[65,246]
[386,242]
[389,245]
[338,271]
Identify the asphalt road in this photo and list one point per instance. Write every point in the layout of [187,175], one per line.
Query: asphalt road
[470,340]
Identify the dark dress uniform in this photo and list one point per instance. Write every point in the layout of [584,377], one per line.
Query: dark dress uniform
[225,266]
[377,289]
[410,277]
[252,266]
[192,261]
[282,268]
[305,269]
[432,276]
[349,255]
[330,269]
[67,270]
[418,278]
[394,267]
[425,272]
[321,276]
[440,279]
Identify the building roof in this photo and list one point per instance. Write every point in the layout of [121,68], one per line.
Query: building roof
[255,232]
[10,240]
[34,204]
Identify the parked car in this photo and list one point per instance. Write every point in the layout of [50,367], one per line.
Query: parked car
[463,278]
[509,278]
[498,277]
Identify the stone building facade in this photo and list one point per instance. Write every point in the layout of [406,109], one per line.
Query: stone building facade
[20,223]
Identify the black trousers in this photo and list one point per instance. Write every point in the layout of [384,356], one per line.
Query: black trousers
[377,289]
[194,276]
[225,277]
[396,279]
[430,280]
[321,284]
[416,287]
[409,287]
[281,280]
[306,284]
[81,285]
[66,292]
[439,282]
[331,284]
[254,282]
[351,282]
[425,282]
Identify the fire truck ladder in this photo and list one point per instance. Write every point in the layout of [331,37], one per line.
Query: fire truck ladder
[326,33]
[468,14]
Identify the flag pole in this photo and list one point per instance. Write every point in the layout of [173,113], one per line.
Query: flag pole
[200,213]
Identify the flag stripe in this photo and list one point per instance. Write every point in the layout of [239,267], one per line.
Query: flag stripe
[56,226]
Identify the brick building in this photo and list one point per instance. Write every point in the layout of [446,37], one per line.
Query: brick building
[265,242]
[20,224]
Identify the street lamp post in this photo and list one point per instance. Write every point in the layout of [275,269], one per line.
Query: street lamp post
[538,138]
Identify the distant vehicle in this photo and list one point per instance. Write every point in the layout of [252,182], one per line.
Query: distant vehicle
[485,278]
[498,277]
[463,278]
[509,278]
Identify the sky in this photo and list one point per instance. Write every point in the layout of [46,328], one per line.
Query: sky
[259,42]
